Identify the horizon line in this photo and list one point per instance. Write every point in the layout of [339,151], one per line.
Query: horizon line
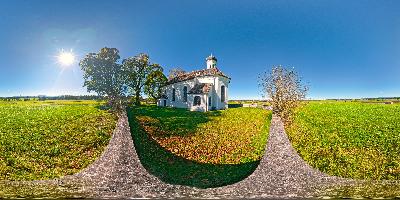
[235,99]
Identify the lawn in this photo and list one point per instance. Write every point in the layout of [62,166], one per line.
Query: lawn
[199,149]
[349,139]
[49,139]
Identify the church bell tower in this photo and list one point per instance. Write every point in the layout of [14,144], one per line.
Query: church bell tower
[211,62]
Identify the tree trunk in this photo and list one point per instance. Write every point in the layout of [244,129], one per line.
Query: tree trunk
[137,97]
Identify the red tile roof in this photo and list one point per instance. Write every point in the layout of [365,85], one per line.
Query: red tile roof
[198,73]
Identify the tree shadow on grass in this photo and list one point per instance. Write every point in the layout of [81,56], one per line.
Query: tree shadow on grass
[174,169]
[174,121]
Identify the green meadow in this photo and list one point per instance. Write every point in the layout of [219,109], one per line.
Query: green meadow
[349,139]
[49,139]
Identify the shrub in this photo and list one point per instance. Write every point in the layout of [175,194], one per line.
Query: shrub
[285,89]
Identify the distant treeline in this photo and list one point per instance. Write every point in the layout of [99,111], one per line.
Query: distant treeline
[43,98]
[368,99]
[382,98]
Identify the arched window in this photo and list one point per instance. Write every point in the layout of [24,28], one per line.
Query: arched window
[184,93]
[173,94]
[197,101]
[222,93]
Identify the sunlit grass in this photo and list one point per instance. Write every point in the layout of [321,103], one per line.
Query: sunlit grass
[48,139]
[349,139]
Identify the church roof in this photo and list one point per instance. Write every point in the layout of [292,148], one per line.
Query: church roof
[198,73]
[201,88]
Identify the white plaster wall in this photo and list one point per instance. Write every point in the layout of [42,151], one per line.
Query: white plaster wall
[211,64]
[215,93]
[221,81]
[178,94]
[203,106]
[212,94]
[205,79]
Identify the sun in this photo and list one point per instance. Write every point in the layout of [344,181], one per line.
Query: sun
[66,58]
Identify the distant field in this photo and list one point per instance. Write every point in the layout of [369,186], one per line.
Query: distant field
[349,139]
[199,149]
[48,139]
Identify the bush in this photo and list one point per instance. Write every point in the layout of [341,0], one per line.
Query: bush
[285,89]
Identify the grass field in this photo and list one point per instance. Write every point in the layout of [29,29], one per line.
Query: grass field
[48,139]
[199,149]
[349,139]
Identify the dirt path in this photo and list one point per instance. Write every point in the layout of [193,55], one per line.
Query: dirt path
[118,173]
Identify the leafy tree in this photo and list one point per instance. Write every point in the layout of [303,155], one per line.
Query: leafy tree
[174,72]
[286,90]
[137,70]
[103,75]
[154,83]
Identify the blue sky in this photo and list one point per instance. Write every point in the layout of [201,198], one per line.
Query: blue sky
[342,49]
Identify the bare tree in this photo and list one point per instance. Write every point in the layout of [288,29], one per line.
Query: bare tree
[285,89]
[174,72]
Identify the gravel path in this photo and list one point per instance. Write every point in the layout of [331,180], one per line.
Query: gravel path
[281,173]
[119,174]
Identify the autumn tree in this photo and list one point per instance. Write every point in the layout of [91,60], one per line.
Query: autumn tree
[137,70]
[103,74]
[285,89]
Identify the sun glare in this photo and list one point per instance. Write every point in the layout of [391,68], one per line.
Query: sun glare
[66,58]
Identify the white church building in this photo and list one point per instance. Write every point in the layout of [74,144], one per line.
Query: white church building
[200,90]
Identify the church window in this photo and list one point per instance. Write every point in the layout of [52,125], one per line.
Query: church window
[185,94]
[197,101]
[173,94]
[222,93]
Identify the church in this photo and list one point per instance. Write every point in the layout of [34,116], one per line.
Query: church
[200,90]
